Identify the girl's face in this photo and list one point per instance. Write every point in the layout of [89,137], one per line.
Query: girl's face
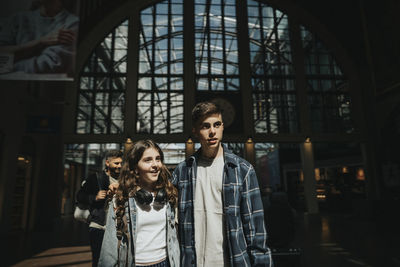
[149,167]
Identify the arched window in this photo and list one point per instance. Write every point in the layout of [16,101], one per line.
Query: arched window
[210,33]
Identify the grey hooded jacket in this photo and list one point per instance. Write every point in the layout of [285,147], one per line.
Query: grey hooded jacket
[109,250]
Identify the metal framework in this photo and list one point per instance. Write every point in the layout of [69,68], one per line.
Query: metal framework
[218,32]
[216,48]
[327,88]
[160,86]
[274,93]
[101,99]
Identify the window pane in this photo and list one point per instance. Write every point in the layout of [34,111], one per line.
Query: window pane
[274,106]
[274,95]
[161,69]
[102,112]
[216,53]
[174,153]
[328,90]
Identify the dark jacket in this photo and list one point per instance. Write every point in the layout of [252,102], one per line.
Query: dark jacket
[87,195]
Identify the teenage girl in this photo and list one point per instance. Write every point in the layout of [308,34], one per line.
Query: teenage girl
[140,228]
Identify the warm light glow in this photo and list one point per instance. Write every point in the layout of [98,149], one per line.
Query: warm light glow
[21,158]
[321,196]
[325,230]
[308,140]
[345,169]
[249,151]
[317,174]
[360,174]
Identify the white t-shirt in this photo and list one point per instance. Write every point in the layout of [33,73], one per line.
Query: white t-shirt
[151,233]
[209,221]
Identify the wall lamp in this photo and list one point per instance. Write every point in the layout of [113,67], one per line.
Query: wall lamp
[189,141]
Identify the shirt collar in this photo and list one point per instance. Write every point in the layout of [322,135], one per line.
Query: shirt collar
[229,157]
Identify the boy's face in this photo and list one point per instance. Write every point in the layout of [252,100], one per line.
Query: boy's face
[209,131]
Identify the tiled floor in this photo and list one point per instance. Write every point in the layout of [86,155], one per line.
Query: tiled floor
[334,240]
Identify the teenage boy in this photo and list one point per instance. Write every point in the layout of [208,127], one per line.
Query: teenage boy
[221,218]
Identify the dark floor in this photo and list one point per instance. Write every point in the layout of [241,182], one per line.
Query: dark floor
[345,241]
[328,240]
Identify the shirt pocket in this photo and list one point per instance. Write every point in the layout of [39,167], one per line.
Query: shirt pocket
[232,196]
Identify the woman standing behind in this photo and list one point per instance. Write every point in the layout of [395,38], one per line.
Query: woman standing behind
[140,228]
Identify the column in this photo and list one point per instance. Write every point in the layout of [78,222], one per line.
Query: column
[249,151]
[307,161]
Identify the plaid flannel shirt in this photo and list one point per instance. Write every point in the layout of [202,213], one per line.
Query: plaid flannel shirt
[243,211]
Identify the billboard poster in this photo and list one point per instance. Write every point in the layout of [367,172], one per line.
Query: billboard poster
[38,39]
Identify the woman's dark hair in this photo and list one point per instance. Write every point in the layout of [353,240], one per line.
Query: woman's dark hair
[129,180]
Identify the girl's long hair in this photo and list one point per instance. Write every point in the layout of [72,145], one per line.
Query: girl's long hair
[129,182]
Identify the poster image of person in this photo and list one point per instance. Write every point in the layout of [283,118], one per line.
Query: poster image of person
[39,43]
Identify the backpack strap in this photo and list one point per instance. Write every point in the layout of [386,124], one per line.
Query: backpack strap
[98,181]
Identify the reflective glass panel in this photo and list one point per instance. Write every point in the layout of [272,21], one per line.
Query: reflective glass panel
[327,88]
[160,83]
[274,94]
[216,52]
[102,86]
